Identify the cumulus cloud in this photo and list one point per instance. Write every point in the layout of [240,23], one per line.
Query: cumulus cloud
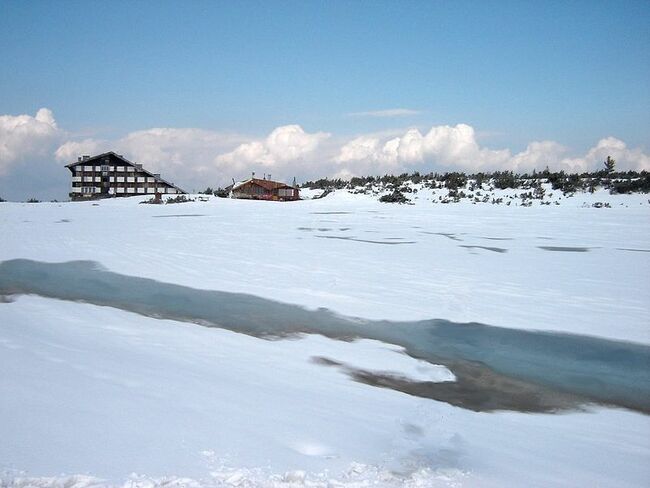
[391,112]
[33,150]
[285,146]
[181,154]
[288,151]
[449,148]
[25,137]
[184,155]
[71,150]
[195,158]
[626,159]
[444,147]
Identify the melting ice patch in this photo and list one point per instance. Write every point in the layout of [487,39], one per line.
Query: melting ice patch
[527,371]
[379,358]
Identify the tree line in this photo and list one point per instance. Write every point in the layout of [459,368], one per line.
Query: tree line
[607,177]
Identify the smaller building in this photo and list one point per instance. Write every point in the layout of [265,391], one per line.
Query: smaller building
[264,189]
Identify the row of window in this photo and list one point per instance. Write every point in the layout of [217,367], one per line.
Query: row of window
[131,184]
[88,190]
[104,167]
[118,179]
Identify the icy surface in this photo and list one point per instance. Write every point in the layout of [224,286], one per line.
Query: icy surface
[89,389]
[95,396]
[276,251]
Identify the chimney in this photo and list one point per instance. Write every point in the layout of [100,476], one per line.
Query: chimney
[264,175]
[85,157]
[79,159]
[269,177]
[253,173]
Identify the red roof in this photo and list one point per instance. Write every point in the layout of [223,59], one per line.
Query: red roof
[266,184]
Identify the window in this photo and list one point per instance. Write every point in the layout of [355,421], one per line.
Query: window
[105,167]
[285,192]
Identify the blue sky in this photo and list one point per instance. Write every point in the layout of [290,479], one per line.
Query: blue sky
[516,72]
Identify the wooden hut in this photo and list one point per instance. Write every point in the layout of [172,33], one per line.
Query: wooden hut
[264,189]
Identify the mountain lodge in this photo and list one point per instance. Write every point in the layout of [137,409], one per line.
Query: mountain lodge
[112,175]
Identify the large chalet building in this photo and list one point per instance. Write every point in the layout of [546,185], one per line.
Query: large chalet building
[112,175]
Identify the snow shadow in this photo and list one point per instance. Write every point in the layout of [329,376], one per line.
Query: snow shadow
[496,368]
[565,248]
[486,248]
[389,240]
[177,215]
[497,238]
[453,237]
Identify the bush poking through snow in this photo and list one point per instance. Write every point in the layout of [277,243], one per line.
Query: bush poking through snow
[179,199]
[154,200]
[396,197]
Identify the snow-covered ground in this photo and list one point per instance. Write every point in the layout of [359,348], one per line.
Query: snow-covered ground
[94,395]
[405,262]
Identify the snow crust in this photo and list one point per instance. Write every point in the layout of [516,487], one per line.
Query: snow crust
[93,396]
[414,267]
[101,392]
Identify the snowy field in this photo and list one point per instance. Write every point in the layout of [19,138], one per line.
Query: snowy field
[97,395]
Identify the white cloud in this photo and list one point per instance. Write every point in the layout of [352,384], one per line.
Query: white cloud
[69,151]
[626,159]
[178,152]
[33,150]
[283,146]
[538,155]
[443,147]
[449,148]
[391,112]
[183,155]
[23,137]
[195,158]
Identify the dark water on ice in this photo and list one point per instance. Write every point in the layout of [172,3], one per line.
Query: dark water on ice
[496,368]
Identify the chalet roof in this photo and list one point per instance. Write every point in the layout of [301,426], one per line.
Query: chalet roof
[119,156]
[266,184]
